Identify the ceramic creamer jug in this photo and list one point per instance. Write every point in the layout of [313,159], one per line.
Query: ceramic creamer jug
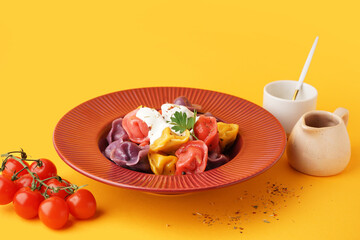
[319,143]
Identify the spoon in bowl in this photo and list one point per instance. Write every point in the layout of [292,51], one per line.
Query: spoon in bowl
[305,69]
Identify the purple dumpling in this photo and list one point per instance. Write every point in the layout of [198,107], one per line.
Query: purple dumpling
[117,132]
[216,160]
[183,101]
[129,155]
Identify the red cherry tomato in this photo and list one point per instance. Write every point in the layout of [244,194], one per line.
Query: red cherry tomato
[205,129]
[82,204]
[48,169]
[12,166]
[24,181]
[56,183]
[27,202]
[7,190]
[54,212]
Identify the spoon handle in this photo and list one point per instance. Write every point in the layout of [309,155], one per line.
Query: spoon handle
[305,68]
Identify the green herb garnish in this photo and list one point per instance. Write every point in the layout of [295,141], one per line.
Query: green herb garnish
[181,122]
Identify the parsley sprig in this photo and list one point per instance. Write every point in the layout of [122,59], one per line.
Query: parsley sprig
[181,122]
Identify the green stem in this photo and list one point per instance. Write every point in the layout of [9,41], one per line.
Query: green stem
[14,177]
[32,160]
[45,193]
[23,164]
[69,189]
[33,175]
[56,177]
[3,164]
[15,152]
[192,134]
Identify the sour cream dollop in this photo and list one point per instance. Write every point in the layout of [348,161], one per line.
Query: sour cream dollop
[158,122]
[168,110]
[154,120]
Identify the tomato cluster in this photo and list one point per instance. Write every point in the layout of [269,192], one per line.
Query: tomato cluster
[37,190]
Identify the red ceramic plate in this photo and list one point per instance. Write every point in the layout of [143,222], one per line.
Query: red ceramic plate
[79,138]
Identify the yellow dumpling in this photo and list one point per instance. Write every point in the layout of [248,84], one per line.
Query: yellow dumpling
[162,164]
[169,142]
[227,133]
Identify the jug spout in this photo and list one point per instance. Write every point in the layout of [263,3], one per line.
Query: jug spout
[343,113]
[315,121]
[304,127]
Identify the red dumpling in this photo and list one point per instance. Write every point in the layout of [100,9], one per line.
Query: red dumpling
[136,128]
[192,158]
[206,129]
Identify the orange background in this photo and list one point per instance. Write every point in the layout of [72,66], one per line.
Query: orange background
[55,55]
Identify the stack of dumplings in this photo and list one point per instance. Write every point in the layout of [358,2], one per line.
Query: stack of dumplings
[144,140]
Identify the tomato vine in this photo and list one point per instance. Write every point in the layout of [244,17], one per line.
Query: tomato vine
[37,183]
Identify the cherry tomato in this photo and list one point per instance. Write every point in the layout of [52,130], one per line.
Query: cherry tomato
[24,181]
[56,183]
[12,166]
[48,169]
[54,212]
[27,202]
[7,190]
[82,204]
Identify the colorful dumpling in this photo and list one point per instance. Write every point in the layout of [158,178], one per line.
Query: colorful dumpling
[227,134]
[209,114]
[136,128]
[216,160]
[206,129]
[169,142]
[162,164]
[129,155]
[183,101]
[117,132]
[192,158]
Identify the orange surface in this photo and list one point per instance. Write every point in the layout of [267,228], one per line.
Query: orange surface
[56,55]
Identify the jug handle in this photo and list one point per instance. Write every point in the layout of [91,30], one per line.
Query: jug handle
[343,113]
